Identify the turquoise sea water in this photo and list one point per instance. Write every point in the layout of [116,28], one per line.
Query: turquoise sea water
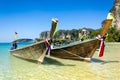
[4,54]
[4,50]
[5,59]
[105,68]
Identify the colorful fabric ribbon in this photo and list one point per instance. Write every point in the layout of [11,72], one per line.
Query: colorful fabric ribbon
[102,46]
[49,47]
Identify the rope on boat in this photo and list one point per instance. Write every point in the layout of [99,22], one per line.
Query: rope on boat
[87,59]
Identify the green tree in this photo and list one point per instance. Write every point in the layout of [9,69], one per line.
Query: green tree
[95,33]
[113,35]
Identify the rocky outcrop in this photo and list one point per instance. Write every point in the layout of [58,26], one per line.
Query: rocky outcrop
[116,11]
[44,35]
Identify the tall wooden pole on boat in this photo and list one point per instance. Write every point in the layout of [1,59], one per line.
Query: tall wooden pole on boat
[53,27]
[52,32]
[106,26]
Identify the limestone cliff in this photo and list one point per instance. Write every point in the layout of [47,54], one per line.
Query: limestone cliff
[116,11]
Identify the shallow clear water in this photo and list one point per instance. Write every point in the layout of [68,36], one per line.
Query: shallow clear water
[105,68]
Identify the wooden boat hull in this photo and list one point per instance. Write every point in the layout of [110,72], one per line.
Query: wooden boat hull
[78,50]
[36,51]
[81,50]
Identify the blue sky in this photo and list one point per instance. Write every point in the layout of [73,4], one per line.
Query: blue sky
[30,17]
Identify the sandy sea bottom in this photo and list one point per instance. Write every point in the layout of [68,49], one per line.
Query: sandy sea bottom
[105,68]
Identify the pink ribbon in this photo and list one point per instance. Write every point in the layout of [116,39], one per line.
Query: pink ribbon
[49,47]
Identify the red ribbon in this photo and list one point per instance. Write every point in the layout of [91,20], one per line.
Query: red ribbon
[102,46]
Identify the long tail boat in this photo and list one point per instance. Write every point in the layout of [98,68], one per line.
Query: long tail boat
[36,51]
[80,50]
